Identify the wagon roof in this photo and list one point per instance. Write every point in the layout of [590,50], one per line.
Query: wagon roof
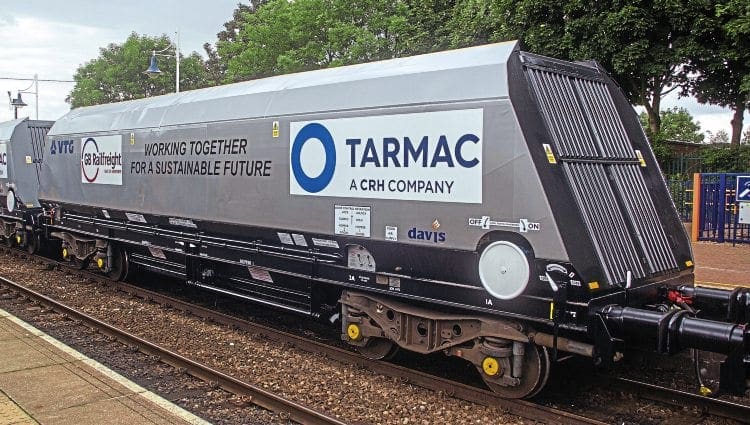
[455,75]
[8,127]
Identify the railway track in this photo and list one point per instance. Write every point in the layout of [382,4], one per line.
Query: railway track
[522,408]
[708,405]
[527,409]
[258,396]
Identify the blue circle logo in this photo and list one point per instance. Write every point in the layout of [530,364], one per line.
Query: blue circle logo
[314,131]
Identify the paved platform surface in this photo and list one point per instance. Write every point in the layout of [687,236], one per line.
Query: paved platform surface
[722,264]
[42,381]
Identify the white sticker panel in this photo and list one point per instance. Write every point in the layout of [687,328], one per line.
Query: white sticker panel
[391,233]
[184,222]
[299,239]
[352,221]
[325,243]
[429,156]
[285,238]
[260,274]
[138,218]
[101,160]
[157,252]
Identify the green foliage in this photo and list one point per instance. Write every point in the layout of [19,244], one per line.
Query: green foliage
[676,124]
[726,158]
[662,152]
[736,25]
[719,62]
[642,43]
[428,28]
[117,74]
[720,137]
[282,37]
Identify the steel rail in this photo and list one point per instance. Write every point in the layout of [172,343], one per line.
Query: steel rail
[708,405]
[522,408]
[257,395]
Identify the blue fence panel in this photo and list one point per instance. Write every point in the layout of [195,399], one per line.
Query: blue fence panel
[719,210]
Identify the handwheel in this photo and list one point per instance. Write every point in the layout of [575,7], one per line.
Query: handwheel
[536,365]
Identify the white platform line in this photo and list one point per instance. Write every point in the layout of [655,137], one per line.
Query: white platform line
[132,386]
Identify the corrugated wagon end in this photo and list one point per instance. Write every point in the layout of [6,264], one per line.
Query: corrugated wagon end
[620,228]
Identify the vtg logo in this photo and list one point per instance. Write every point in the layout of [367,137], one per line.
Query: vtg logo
[427,156]
[3,158]
[61,146]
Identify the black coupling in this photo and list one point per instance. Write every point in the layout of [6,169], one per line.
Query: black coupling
[729,305]
[675,330]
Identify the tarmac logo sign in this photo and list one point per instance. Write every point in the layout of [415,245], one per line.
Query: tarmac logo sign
[428,156]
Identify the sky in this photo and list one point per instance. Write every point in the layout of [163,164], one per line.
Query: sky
[52,38]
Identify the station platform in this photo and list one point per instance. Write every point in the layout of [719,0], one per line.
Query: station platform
[43,381]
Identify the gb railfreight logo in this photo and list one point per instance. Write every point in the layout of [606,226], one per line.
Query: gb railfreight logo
[431,156]
[101,160]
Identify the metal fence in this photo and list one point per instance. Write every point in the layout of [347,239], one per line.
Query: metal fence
[682,195]
[718,210]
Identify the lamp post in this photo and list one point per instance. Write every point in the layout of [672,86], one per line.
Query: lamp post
[15,104]
[153,69]
[34,84]
[18,102]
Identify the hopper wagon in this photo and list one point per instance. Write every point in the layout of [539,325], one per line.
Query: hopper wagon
[21,153]
[488,203]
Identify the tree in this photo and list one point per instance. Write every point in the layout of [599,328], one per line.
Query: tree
[676,124]
[117,74]
[642,43]
[726,158]
[281,36]
[746,137]
[720,61]
[428,30]
[718,138]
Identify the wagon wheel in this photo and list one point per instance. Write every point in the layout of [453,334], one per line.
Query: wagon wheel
[33,242]
[379,349]
[120,264]
[536,366]
[9,241]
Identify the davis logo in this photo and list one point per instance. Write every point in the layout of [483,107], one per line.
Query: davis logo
[101,160]
[426,235]
[431,156]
